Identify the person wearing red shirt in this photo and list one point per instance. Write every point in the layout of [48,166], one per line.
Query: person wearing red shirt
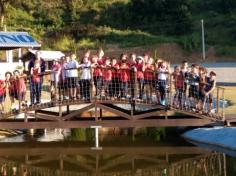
[149,78]
[115,78]
[107,77]
[2,95]
[124,76]
[55,76]
[20,86]
[10,86]
[179,86]
[97,66]
[140,75]
[35,72]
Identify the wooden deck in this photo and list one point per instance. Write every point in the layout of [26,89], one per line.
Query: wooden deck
[105,115]
[109,111]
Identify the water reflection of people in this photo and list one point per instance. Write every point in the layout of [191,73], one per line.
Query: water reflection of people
[4,170]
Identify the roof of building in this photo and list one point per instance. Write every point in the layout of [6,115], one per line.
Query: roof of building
[14,40]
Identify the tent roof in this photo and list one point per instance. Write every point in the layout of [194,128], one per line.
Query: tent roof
[49,55]
[14,40]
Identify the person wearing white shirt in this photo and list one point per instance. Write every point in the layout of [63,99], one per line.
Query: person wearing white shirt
[72,76]
[85,78]
[162,78]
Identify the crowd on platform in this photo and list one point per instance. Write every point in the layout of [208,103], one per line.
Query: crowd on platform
[126,77]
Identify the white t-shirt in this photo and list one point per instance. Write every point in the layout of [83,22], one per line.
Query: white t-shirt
[85,71]
[72,64]
[162,74]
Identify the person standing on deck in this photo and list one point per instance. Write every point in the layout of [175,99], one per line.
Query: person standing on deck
[194,80]
[208,90]
[140,76]
[72,76]
[42,71]
[115,78]
[185,72]
[124,76]
[149,79]
[85,79]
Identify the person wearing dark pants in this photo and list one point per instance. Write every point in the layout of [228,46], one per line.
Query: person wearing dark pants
[85,79]
[85,88]
[42,65]
[115,78]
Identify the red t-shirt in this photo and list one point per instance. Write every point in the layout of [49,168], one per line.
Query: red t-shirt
[148,72]
[2,88]
[97,71]
[107,74]
[139,68]
[124,72]
[179,81]
[20,85]
[36,77]
[115,71]
[56,67]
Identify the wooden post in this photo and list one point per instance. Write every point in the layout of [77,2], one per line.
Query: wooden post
[96,112]
[55,89]
[217,100]
[100,113]
[223,105]
[225,168]
[60,110]
[25,117]
[170,90]
[68,109]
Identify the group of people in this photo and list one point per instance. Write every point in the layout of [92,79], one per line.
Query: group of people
[112,78]
[129,77]
[200,86]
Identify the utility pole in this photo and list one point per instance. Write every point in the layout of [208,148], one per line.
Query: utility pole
[203,41]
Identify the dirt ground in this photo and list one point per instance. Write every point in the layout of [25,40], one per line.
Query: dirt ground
[169,51]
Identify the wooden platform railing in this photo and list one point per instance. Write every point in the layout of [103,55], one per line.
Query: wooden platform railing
[51,90]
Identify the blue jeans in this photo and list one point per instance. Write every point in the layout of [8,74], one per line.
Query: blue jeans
[124,89]
[35,91]
[141,87]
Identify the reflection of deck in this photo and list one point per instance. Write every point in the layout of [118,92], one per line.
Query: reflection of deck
[73,160]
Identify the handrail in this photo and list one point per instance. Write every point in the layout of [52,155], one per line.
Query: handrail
[146,90]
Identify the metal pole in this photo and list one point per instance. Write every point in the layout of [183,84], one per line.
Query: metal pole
[97,147]
[203,41]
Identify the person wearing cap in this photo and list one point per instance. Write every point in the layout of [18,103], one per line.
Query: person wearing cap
[140,75]
[209,88]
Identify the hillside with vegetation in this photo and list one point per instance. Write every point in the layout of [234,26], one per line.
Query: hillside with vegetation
[82,24]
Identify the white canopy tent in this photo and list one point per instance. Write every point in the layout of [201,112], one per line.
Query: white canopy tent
[49,55]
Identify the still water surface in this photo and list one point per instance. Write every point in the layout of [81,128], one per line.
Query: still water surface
[150,152]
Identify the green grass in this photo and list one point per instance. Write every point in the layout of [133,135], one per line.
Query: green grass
[230,95]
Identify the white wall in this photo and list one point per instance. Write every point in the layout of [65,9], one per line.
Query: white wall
[4,67]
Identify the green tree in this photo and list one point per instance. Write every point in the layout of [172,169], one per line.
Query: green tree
[3,6]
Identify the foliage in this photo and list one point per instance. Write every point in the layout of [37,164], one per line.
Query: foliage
[74,24]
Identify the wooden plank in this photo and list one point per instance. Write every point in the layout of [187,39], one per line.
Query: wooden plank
[119,113]
[148,114]
[107,123]
[77,112]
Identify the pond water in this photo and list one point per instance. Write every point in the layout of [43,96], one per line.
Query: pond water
[125,152]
